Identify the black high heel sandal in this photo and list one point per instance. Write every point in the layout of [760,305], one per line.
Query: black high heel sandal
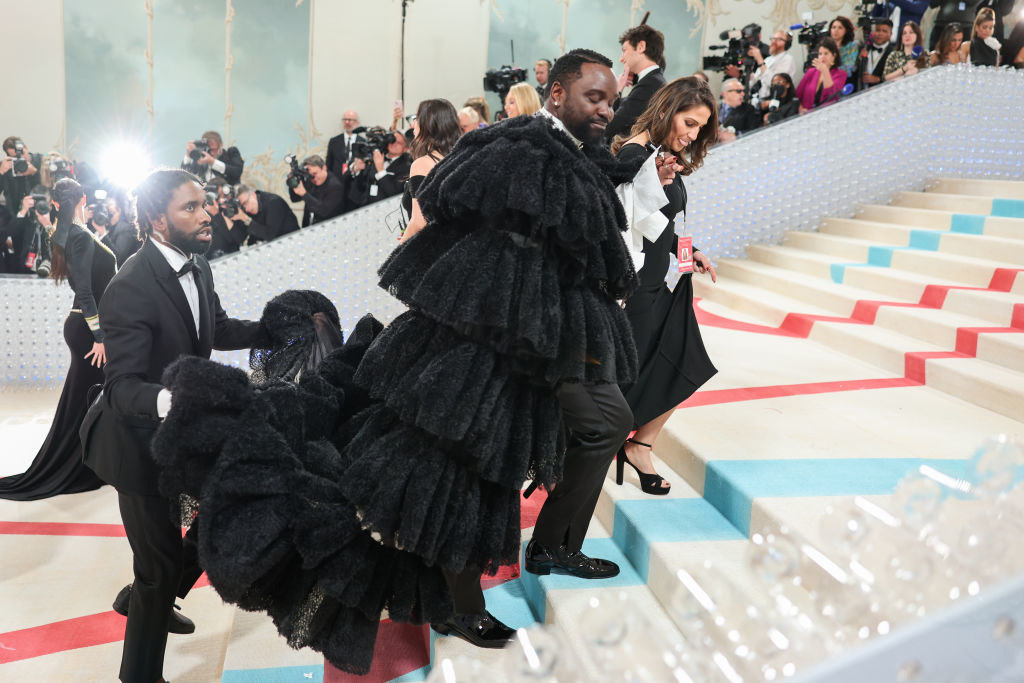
[649,483]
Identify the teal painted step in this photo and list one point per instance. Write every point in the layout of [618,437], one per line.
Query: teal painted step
[1008,208]
[732,485]
[639,523]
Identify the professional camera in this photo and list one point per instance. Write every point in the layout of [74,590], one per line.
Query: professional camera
[41,204]
[296,174]
[201,147]
[810,35]
[501,80]
[60,168]
[228,202]
[740,42]
[100,217]
[19,165]
[376,138]
[864,19]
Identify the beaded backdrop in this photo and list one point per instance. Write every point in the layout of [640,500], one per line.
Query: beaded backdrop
[956,121]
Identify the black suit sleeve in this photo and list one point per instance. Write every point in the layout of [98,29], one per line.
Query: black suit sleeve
[332,158]
[127,312]
[231,333]
[274,219]
[394,182]
[329,203]
[80,251]
[233,165]
[631,108]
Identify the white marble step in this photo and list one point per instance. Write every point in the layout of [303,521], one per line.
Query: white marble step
[977,246]
[931,219]
[958,203]
[1008,189]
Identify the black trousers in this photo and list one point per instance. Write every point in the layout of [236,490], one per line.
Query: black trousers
[600,420]
[467,594]
[164,566]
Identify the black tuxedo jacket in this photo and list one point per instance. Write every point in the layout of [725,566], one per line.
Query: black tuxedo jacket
[392,184]
[634,104]
[148,325]
[233,165]
[338,153]
[879,69]
[743,118]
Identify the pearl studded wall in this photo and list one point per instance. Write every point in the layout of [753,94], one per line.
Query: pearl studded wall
[951,121]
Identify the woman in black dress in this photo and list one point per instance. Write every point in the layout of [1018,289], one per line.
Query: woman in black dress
[679,125]
[87,265]
[436,130]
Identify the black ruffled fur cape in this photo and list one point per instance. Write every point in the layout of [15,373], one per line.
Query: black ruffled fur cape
[327,500]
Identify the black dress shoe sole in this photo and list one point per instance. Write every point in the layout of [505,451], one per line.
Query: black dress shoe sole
[545,569]
[446,630]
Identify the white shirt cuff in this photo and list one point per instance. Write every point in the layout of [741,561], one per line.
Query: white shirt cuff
[163,403]
[381,174]
[218,166]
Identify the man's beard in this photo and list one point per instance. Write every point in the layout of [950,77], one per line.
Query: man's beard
[582,130]
[188,244]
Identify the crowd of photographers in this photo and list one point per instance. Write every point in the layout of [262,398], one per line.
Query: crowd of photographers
[763,84]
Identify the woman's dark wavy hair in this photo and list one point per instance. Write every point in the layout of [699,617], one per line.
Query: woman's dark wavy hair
[917,32]
[66,193]
[831,46]
[942,47]
[673,97]
[439,128]
[154,193]
[848,25]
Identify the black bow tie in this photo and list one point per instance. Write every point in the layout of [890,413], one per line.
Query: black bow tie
[189,267]
[877,49]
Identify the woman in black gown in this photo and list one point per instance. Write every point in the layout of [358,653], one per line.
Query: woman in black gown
[436,130]
[87,265]
[679,123]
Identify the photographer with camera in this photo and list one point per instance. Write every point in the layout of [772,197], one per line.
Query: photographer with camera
[823,80]
[876,52]
[778,61]
[388,171]
[226,236]
[19,172]
[643,54]
[26,247]
[321,190]
[735,116]
[207,158]
[265,215]
[122,236]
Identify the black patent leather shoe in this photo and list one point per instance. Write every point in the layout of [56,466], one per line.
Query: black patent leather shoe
[543,560]
[482,630]
[179,623]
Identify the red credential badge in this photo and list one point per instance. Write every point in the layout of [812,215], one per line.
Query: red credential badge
[685,254]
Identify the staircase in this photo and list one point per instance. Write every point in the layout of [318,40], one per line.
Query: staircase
[848,358]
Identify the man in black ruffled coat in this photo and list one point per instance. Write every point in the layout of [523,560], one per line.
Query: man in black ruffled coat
[520,265]
[582,89]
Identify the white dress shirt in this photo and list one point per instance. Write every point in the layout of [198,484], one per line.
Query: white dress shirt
[773,64]
[557,123]
[176,259]
[643,73]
